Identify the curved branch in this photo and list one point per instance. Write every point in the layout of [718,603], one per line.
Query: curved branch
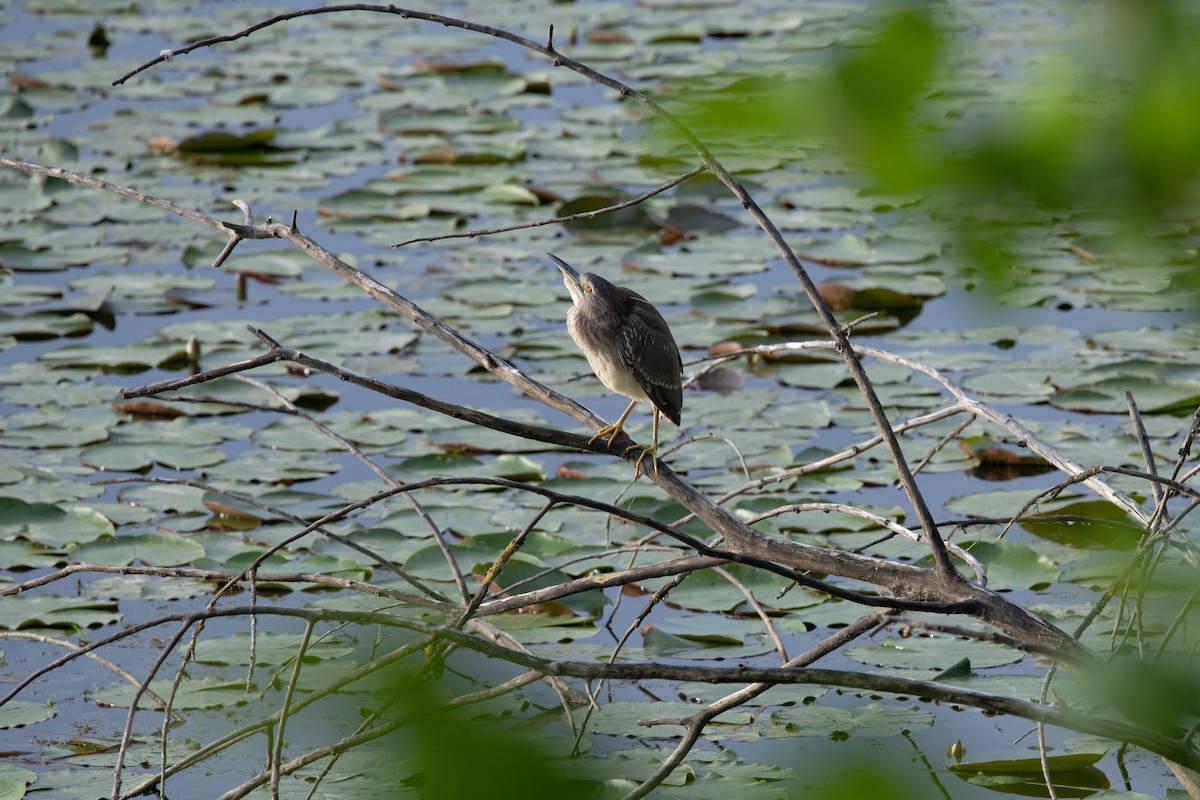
[694,726]
[678,179]
[838,332]
[1167,746]
[963,403]
[945,591]
[879,520]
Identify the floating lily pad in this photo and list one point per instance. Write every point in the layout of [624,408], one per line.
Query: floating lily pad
[49,611]
[270,648]
[632,218]
[138,457]
[133,358]
[1011,565]
[855,249]
[620,718]
[74,526]
[45,325]
[1108,396]
[18,714]
[1071,774]
[838,723]
[710,591]
[933,653]
[443,123]
[223,147]
[25,555]
[154,549]
[194,694]
[1085,525]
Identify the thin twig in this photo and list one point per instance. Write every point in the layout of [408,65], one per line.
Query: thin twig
[942,442]
[1139,431]
[498,565]
[740,536]
[758,609]
[569,218]
[881,521]
[694,726]
[104,662]
[942,563]
[291,408]
[285,709]
[1185,450]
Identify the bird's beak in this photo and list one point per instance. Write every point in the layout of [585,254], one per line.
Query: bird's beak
[569,273]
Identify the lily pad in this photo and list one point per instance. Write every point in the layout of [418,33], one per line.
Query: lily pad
[1011,565]
[1071,774]
[1108,396]
[1085,525]
[75,526]
[153,549]
[49,611]
[838,723]
[270,649]
[18,714]
[933,653]
[194,694]
[138,457]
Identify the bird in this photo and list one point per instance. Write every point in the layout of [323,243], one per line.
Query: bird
[629,347]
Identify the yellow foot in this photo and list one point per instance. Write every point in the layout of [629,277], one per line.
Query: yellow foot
[611,431]
[647,450]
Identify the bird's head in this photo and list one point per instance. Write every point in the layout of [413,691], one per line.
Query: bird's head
[580,286]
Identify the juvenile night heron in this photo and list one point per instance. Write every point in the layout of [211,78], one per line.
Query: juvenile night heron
[630,348]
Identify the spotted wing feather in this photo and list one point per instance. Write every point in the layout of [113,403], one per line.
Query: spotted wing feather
[649,352]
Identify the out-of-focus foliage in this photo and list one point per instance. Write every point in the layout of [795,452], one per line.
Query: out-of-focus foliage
[1103,127]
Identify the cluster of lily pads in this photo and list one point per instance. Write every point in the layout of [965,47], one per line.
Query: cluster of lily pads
[439,133]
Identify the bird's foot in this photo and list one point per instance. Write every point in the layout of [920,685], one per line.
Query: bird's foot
[647,450]
[611,431]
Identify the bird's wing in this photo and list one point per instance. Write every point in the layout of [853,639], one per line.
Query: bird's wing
[649,352]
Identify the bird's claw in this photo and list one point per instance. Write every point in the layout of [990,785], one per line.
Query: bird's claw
[611,431]
[647,450]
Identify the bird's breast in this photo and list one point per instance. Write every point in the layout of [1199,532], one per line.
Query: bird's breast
[601,348]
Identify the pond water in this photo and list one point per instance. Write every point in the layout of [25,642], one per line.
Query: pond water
[382,131]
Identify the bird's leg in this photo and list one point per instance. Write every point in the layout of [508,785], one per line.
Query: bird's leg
[651,451]
[611,431]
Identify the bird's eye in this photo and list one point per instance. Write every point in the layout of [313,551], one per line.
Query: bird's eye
[587,287]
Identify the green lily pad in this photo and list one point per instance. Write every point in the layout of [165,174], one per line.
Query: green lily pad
[45,325]
[1085,525]
[18,714]
[1108,396]
[932,653]
[154,549]
[855,249]
[1071,774]
[132,358]
[518,468]
[194,694]
[1011,565]
[131,457]
[1063,762]
[278,467]
[25,555]
[49,611]
[75,526]
[270,648]
[837,723]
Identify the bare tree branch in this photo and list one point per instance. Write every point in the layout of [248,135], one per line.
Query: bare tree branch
[941,590]
[569,218]
[944,566]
